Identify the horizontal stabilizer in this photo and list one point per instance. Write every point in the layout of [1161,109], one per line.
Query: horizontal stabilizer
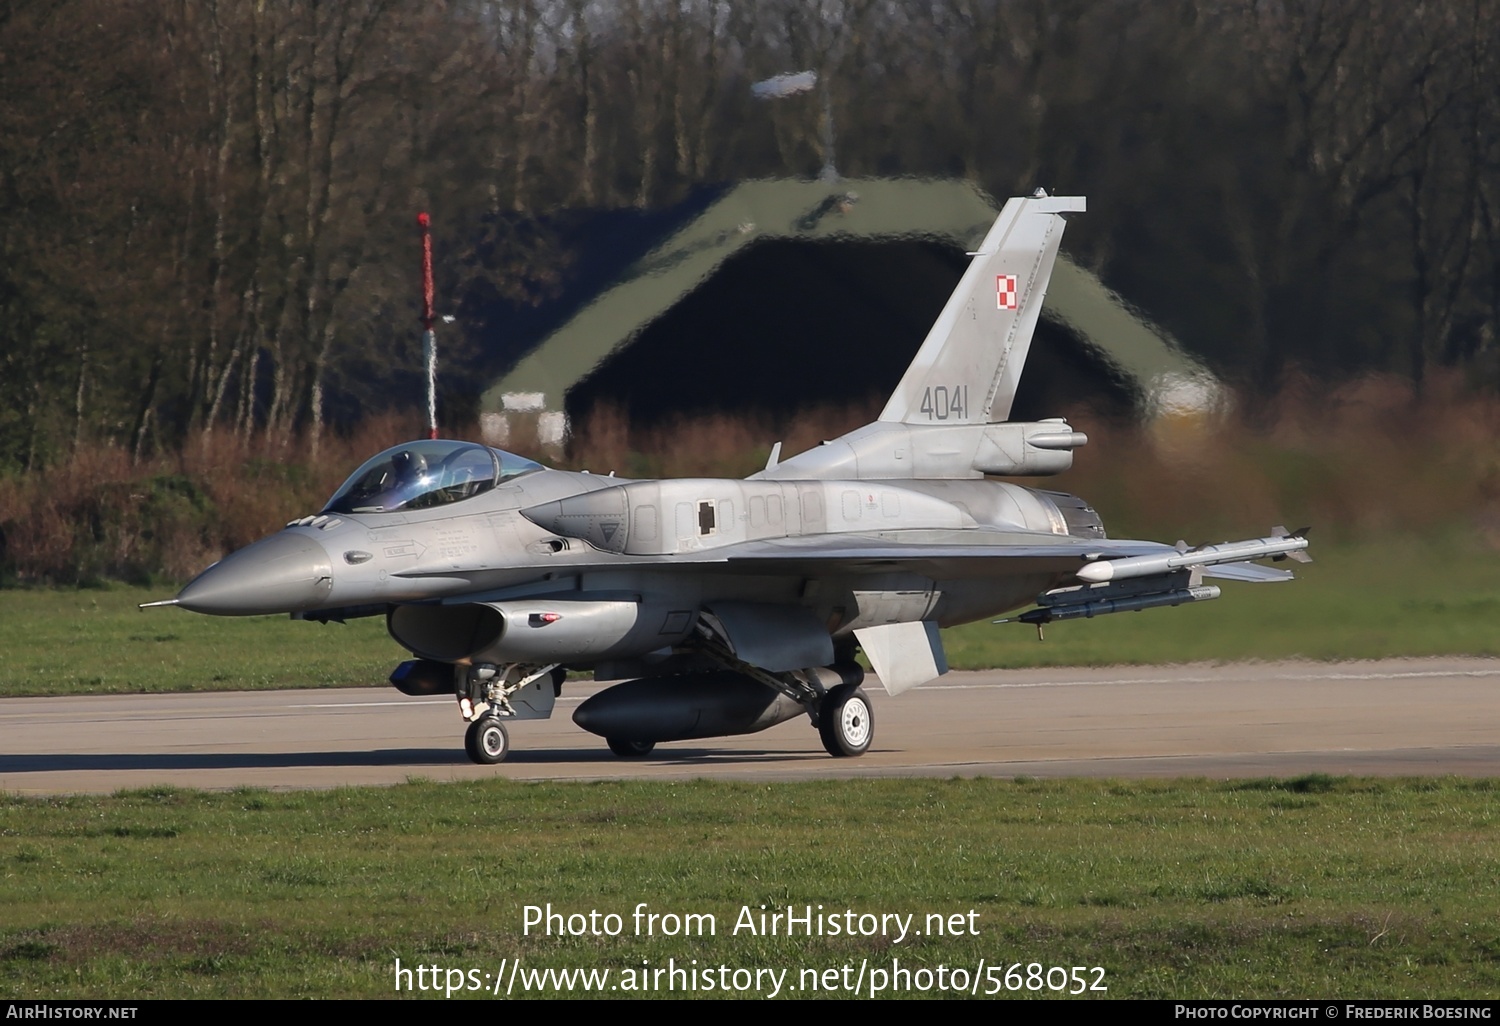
[1252,573]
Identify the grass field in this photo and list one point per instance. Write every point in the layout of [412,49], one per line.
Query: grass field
[1396,597]
[1393,597]
[1315,887]
[61,641]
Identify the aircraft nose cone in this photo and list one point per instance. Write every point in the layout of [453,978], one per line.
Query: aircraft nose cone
[281,574]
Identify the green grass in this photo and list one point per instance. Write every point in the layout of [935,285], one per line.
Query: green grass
[1398,597]
[95,641]
[1317,887]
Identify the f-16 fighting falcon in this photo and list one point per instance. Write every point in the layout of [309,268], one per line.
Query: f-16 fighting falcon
[728,606]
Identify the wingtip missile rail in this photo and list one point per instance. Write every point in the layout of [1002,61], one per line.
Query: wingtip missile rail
[1277,546]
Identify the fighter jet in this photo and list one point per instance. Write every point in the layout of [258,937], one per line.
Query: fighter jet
[728,606]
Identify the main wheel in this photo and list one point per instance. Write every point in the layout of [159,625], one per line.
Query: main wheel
[629,749]
[487,741]
[846,722]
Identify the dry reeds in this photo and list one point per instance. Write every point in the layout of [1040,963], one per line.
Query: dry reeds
[1367,458]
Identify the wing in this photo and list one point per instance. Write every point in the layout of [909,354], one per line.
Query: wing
[942,555]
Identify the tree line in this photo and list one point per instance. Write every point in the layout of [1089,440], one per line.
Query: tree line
[207,207]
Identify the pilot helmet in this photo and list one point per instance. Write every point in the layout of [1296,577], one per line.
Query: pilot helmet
[408,466]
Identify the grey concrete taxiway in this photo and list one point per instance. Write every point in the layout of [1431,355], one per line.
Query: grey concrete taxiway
[1393,717]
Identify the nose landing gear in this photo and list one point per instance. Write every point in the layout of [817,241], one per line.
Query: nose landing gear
[487,742]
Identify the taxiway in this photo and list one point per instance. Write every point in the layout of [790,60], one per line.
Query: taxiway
[1389,718]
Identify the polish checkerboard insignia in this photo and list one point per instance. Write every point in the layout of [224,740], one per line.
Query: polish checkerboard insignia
[1005,292]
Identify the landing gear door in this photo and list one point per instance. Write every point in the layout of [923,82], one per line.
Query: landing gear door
[904,655]
[535,700]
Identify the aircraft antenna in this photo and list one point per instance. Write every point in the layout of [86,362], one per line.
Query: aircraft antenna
[429,339]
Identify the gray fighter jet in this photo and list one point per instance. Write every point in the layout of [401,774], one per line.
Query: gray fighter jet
[728,606]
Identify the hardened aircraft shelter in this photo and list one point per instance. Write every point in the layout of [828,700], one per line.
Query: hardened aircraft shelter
[775,295]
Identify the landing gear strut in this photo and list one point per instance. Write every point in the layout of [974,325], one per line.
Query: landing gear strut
[489,694]
[841,711]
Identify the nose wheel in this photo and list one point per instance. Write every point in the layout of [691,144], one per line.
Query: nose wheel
[487,741]
[846,722]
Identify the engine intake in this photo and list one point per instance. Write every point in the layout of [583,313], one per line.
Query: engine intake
[575,631]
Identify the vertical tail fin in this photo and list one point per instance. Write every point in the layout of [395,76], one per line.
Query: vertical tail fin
[944,421]
[968,367]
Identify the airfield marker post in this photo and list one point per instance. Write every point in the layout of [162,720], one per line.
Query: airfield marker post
[429,340]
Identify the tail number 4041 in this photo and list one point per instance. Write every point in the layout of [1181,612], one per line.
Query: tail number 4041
[942,402]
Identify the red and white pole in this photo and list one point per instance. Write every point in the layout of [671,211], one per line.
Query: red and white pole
[429,340]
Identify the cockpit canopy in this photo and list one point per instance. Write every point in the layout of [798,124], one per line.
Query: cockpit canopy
[423,475]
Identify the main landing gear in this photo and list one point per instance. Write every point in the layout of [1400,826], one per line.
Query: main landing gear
[633,717]
[846,723]
[630,749]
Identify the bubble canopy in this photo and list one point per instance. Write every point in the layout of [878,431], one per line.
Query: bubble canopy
[424,475]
